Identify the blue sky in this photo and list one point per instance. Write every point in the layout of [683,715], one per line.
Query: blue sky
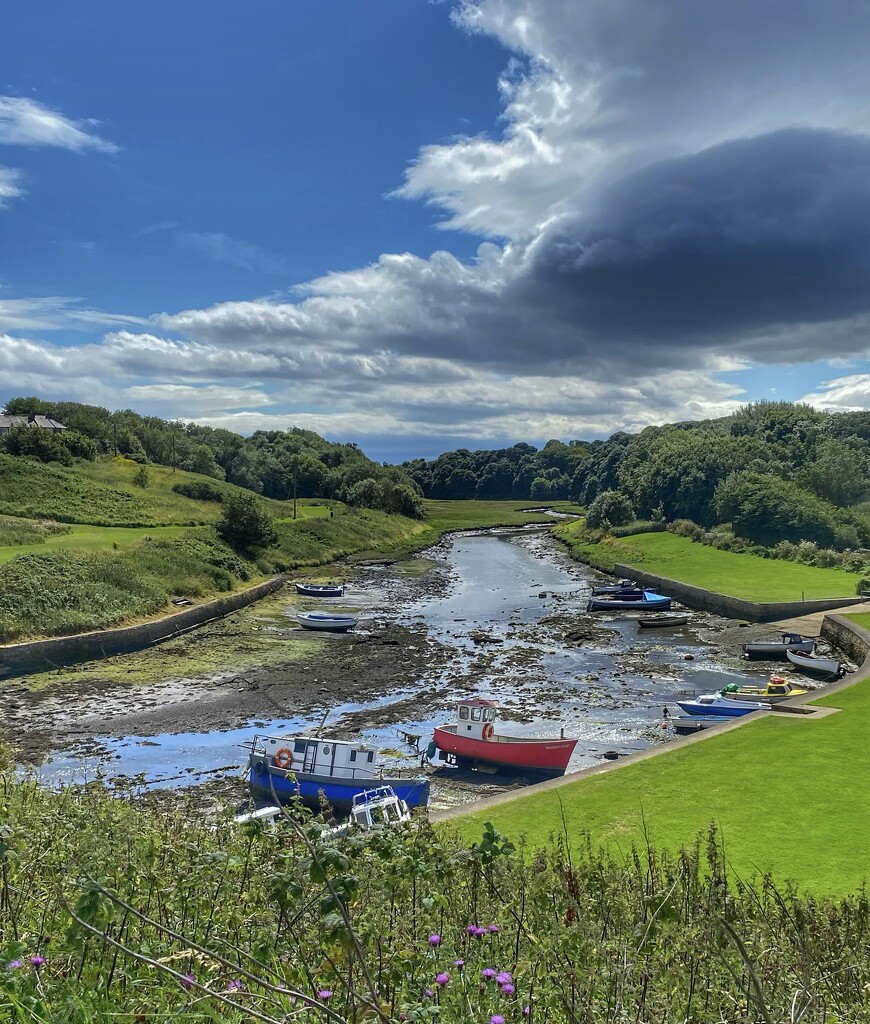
[421,225]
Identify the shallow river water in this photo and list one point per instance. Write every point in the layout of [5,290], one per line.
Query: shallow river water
[510,607]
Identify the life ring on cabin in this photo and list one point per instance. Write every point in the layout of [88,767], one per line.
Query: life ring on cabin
[778,680]
[283,757]
[487,731]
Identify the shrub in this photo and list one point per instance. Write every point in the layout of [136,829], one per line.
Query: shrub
[610,508]
[245,525]
[199,490]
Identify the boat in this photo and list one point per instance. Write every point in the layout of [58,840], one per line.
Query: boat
[326,621]
[688,725]
[313,767]
[630,600]
[473,743]
[320,589]
[777,689]
[815,664]
[722,707]
[773,649]
[614,588]
[371,809]
[658,621]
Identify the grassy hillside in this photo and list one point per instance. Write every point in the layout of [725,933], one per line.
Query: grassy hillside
[740,575]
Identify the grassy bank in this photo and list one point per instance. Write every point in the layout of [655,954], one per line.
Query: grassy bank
[113,911]
[777,789]
[740,575]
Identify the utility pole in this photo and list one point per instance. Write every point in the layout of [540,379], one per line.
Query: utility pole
[294,495]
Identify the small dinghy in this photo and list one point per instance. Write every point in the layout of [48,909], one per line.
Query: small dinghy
[320,589]
[773,649]
[614,588]
[630,600]
[815,664]
[326,621]
[661,621]
[777,690]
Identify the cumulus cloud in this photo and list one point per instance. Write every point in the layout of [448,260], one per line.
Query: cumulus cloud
[843,394]
[25,122]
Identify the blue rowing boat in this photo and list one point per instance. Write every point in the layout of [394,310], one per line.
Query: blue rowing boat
[637,600]
[316,767]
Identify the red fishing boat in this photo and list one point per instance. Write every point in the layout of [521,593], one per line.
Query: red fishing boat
[473,743]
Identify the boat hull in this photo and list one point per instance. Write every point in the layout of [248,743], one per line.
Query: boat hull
[692,707]
[269,782]
[817,666]
[776,651]
[544,758]
[662,621]
[326,623]
[317,590]
[649,603]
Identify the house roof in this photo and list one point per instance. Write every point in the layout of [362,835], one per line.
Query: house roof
[31,421]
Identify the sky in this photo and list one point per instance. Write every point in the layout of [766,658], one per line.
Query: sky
[422,225]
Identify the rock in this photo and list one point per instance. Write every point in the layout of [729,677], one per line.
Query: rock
[688,657]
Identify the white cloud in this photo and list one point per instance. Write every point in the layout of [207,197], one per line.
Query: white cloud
[226,249]
[10,185]
[195,401]
[843,394]
[25,122]
[55,312]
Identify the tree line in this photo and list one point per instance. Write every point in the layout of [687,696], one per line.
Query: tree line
[274,463]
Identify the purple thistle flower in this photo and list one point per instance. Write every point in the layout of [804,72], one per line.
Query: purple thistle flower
[496,1018]
[187,981]
[488,973]
[235,985]
[324,994]
[459,963]
[494,928]
[13,965]
[503,976]
[37,961]
[427,992]
[435,940]
[471,929]
[508,989]
[526,1011]
[442,978]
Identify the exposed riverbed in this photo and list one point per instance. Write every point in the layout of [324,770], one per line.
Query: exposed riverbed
[500,614]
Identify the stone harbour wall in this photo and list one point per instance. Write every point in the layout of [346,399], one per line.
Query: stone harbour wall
[732,607]
[41,655]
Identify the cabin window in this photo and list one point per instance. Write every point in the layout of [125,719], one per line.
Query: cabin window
[490,715]
[325,748]
[475,714]
[353,755]
[463,713]
[299,747]
[371,755]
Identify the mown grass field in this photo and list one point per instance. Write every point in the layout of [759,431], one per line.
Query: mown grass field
[468,515]
[740,575]
[91,538]
[788,794]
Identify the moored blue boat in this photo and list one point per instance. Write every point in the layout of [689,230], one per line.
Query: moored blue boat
[284,767]
[637,600]
[720,706]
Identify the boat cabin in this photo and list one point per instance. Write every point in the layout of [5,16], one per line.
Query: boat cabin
[476,717]
[317,755]
[379,806]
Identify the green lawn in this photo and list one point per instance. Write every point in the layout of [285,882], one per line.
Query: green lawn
[789,795]
[744,576]
[92,538]
[469,515]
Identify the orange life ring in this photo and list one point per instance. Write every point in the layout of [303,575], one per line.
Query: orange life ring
[487,732]
[283,757]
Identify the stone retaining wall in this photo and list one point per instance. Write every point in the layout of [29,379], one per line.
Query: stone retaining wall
[732,607]
[40,655]
[847,636]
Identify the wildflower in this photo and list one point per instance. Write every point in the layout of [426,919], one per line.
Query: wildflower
[324,994]
[526,1011]
[13,965]
[187,981]
[234,986]
[471,929]
[427,992]
[494,928]
[442,978]
[503,977]
[496,1018]
[435,940]
[459,963]
[487,973]
[508,989]
[37,961]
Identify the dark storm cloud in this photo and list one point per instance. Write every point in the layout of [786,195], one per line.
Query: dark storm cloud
[745,237]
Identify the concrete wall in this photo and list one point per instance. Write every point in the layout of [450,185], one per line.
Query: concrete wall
[40,655]
[732,607]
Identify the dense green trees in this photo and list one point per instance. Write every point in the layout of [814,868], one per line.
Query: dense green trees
[274,463]
[245,524]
